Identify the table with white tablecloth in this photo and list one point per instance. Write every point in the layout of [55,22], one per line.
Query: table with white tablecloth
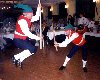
[91,34]
[51,34]
[91,38]
[10,36]
[58,34]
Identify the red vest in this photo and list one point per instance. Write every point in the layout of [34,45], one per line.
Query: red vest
[79,40]
[18,29]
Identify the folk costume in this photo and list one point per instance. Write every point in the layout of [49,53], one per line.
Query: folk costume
[79,41]
[22,32]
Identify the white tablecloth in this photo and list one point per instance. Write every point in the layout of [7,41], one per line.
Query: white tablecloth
[91,34]
[11,36]
[50,34]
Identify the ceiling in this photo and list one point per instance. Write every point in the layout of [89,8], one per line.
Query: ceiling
[35,2]
[43,2]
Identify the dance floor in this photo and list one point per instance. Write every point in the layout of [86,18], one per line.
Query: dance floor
[44,65]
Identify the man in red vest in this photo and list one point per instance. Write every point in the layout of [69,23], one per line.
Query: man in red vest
[78,40]
[22,32]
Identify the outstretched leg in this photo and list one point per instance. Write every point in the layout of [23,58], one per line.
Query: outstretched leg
[84,57]
[28,48]
[68,57]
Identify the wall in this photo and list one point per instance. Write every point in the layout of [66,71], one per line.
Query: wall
[71,6]
[55,9]
[45,12]
[98,10]
[71,9]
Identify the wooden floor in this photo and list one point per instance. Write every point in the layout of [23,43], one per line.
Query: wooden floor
[44,65]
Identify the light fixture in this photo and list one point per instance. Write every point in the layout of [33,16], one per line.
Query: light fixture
[66,6]
[42,10]
[51,9]
[4,7]
[97,1]
[94,0]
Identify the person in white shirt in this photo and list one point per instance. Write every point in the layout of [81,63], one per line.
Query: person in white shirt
[22,31]
[82,20]
[91,25]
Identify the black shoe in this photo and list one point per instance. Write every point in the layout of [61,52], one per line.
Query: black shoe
[15,62]
[85,69]
[62,68]
[20,64]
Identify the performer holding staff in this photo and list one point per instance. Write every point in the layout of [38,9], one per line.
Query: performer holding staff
[78,40]
[22,32]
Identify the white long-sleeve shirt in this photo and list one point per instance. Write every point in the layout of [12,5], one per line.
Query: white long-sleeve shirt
[24,26]
[91,24]
[83,20]
[68,40]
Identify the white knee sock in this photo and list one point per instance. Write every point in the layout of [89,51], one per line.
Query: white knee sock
[66,61]
[18,56]
[25,55]
[84,63]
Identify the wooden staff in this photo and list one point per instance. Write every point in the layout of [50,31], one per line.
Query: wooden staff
[54,38]
[40,29]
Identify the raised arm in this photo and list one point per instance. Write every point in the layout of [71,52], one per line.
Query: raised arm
[36,17]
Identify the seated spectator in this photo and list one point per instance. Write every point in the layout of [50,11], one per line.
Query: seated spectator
[70,20]
[91,25]
[82,20]
[45,29]
[2,43]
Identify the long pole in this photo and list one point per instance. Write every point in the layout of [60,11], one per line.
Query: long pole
[54,36]
[40,29]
